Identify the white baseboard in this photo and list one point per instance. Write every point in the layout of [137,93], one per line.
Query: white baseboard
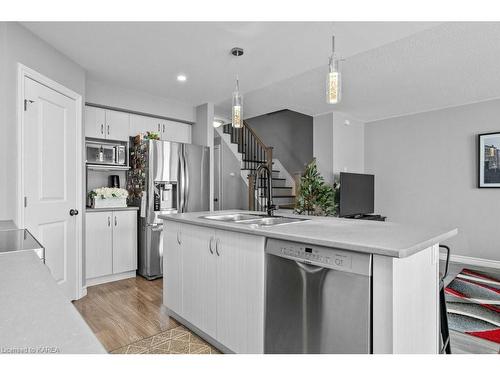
[480,262]
[110,278]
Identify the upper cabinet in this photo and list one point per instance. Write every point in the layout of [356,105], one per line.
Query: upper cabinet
[175,131]
[168,130]
[118,126]
[107,124]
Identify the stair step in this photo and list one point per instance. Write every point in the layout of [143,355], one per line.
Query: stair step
[289,206]
[255,161]
[279,196]
[254,169]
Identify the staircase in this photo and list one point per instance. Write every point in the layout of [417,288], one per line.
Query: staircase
[254,152]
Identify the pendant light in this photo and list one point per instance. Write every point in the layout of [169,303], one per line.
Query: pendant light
[237,103]
[333,83]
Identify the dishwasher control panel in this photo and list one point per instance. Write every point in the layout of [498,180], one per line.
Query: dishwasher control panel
[333,258]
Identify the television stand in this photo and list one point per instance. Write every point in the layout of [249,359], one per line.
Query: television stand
[366,217]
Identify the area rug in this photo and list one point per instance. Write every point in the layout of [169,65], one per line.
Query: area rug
[473,302]
[178,340]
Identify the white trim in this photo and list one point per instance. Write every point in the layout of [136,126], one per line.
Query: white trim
[22,73]
[110,278]
[489,263]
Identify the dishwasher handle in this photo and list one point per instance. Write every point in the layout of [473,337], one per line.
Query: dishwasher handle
[309,268]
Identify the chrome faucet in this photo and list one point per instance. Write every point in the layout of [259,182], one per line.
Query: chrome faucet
[270,206]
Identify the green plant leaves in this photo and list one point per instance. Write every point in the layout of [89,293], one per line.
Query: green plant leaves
[315,196]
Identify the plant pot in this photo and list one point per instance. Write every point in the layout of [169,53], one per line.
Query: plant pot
[109,202]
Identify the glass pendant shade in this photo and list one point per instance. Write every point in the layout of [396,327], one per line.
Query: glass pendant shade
[333,83]
[237,112]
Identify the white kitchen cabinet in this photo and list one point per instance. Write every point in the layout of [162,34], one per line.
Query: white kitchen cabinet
[106,124]
[117,125]
[124,241]
[172,253]
[240,291]
[95,122]
[143,124]
[199,278]
[98,244]
[175,131]
[221,283]
[111,245]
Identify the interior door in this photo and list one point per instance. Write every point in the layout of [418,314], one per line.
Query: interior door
[50,172]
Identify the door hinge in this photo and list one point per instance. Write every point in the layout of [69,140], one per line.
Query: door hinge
[25,201]
[26,101]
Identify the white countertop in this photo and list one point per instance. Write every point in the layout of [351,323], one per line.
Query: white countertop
[34,313]
[107,209]
[374,237]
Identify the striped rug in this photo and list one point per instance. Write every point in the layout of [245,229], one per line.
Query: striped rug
[473,302]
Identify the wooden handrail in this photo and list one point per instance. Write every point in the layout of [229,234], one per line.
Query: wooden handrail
[268,149]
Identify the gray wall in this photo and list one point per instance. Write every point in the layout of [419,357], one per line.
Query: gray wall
[338,144]
[18,45]
[234,191]
[426,174]
[291,135]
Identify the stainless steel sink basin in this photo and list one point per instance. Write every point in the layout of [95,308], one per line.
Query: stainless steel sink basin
[231,217]
[254,219]
[271,221]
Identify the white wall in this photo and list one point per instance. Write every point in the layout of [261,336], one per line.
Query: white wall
[22,46]
[425,168]
[113,96]
[338,146]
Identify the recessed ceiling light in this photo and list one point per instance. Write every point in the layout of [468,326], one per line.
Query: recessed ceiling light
[181,78]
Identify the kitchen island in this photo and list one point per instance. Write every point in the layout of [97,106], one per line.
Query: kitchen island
[216,268]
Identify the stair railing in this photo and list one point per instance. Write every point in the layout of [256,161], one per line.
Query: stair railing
[254,152]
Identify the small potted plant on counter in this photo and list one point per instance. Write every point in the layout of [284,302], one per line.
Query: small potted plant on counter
[106,197]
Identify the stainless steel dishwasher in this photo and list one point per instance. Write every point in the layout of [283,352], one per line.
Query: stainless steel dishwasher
[318,299]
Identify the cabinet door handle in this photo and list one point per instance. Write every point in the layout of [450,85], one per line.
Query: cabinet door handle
[109,221]
[102,128]
[163,128]
[217,242]
[179,238]
[210,246]
[108,129]
[159,127]
[115,221]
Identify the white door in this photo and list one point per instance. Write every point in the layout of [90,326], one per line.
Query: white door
[50,143]
[172,266]
[199,278]
[124,241]
[98,244]
[94,122]
[117,125]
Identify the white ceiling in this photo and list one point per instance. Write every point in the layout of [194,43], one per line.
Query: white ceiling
[148,56]
[449,65]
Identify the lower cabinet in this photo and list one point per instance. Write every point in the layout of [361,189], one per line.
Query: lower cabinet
[221,278]
[110,244]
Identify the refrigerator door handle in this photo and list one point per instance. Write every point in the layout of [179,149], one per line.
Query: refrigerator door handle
[181,183]
[186,180]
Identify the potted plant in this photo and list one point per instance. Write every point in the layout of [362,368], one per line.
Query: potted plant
[315,197]
[105,197]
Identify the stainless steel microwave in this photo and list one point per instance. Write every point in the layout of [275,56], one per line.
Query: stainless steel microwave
[106,153]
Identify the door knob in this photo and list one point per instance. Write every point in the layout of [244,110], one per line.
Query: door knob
[73,212]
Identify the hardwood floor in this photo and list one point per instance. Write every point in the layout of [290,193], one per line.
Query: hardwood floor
[125,311]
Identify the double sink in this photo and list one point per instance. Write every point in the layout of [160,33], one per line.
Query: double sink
[254,219]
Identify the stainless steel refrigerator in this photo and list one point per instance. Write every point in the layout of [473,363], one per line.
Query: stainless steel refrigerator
[165,178]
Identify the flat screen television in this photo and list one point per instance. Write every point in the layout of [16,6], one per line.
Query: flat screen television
[356,194]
